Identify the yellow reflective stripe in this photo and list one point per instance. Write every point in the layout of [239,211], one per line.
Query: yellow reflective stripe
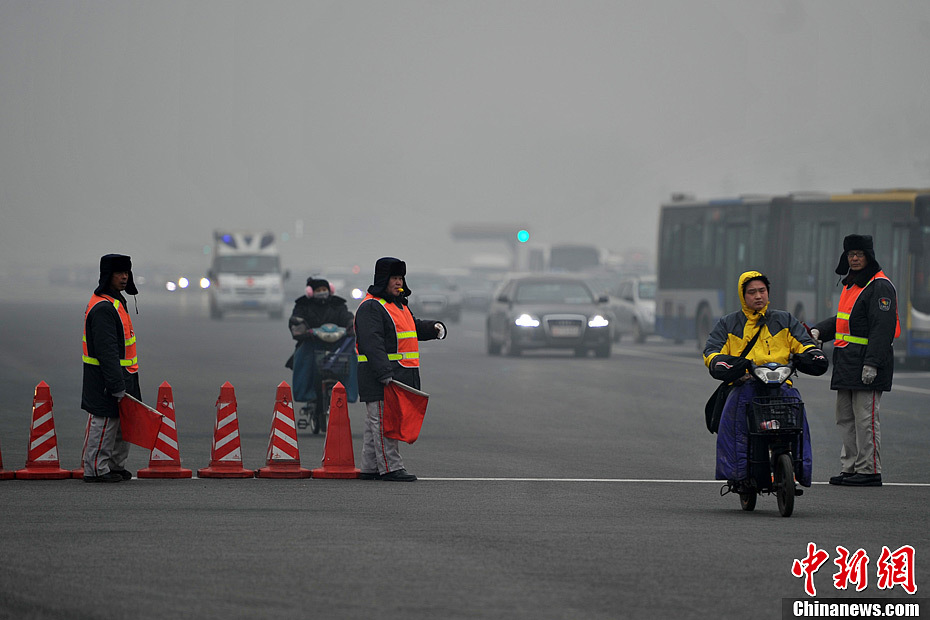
[842,315]
[394,357]
[93,361]
[131,340]
[852,339]
[406,335]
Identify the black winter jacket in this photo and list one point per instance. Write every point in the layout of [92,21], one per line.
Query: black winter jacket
[873,316]
[375,335]
[105,341]
[316,312]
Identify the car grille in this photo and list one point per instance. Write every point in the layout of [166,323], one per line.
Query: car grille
[565,326]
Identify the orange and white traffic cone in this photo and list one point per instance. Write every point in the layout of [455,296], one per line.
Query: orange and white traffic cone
[165,461]
[42,459]
[338,455]
[5,474]
[283,459]
[226,454]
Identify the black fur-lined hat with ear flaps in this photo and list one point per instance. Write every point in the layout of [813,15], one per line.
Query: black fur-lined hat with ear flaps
[113,263]
[385,268]
[861,243]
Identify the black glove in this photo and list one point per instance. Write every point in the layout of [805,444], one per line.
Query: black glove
[728,367]
[811,362]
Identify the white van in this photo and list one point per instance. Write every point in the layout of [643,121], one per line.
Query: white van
[246,274]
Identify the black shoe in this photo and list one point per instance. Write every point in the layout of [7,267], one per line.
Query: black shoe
[839,479]
[110,476]
[399,475]
[863,480]
[369,475]
[124,473]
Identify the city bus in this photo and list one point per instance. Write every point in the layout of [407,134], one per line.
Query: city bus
[796,240]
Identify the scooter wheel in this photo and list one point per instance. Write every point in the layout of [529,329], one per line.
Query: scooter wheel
[747,501]
[784,484]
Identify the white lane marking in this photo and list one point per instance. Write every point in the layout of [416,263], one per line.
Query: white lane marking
[631,480]
[613,480]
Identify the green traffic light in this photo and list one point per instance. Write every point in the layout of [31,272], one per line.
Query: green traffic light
[523,236]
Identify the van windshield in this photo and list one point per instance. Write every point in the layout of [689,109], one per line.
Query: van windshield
[247,264]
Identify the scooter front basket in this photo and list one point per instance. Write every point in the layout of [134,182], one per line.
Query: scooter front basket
[775,414]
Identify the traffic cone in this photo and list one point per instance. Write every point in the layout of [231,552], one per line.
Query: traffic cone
[226,454]
[338,456]
[283,459]
[79,472]
[5,474]
[165,461]
[42,460]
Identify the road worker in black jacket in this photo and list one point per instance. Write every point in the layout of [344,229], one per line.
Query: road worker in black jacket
[386,336]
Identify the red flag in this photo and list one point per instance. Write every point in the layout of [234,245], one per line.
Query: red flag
[404,410]
[139,423]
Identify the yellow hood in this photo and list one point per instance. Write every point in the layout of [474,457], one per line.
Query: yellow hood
[749,275]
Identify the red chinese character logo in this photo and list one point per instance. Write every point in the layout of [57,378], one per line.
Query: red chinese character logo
[808,566]
[852,568]
[897,568]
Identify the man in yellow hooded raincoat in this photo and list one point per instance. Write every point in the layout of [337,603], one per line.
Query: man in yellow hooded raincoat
[780,336]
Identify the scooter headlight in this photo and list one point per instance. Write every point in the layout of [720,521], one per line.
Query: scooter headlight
[775,376]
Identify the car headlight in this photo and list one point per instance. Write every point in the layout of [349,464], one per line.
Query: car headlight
[525,320]
[598,321]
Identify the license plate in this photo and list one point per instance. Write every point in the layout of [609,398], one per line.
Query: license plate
[565,331]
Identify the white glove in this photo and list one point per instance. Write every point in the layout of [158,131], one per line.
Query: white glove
[387,381]
[868,374]
[119,395]
[440,330]
[815,334]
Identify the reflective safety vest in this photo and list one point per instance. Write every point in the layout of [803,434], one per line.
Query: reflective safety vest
[847,300]
[129,361]
[408,352]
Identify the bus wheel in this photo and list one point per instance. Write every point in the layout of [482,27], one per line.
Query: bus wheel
[703,327]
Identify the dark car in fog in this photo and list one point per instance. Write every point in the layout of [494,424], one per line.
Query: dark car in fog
[434,296]
[548,311]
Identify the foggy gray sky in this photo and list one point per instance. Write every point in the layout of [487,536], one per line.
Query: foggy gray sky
[141,126]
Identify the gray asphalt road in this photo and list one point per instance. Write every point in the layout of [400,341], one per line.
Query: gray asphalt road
[551,487]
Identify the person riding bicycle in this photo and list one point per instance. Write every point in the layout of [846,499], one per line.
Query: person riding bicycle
[318,307]
[774,335]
